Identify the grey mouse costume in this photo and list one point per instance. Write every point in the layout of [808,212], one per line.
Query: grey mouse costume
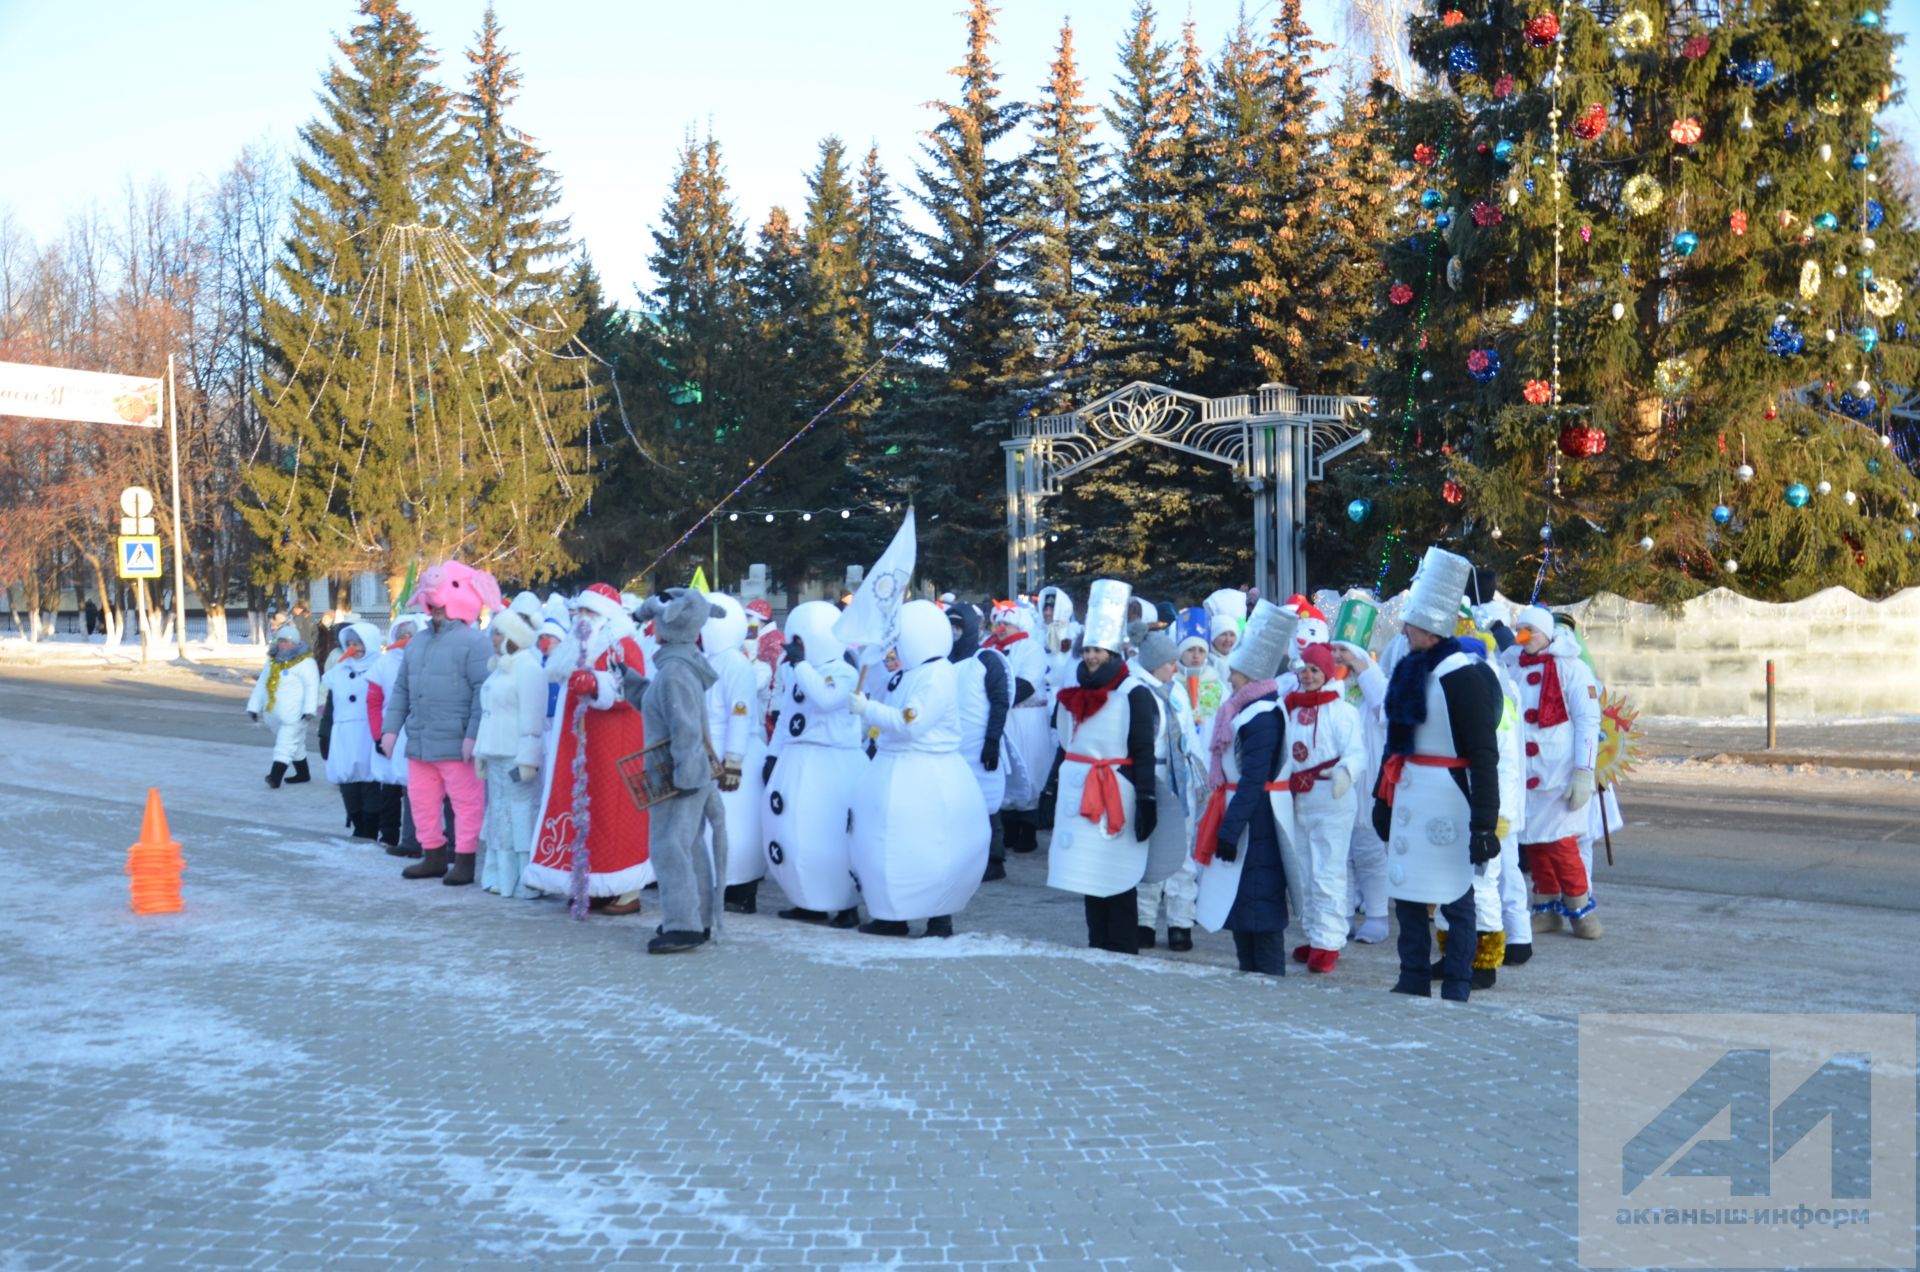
[673,707]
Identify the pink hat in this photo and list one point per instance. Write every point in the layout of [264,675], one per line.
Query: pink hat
[459,589]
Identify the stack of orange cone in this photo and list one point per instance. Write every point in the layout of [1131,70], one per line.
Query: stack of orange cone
[155,863]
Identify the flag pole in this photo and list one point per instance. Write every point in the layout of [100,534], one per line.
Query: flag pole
[179,527]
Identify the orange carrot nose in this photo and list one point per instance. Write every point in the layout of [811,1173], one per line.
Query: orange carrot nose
[154,863]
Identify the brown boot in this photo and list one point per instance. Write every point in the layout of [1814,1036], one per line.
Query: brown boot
[462,872]
[1586,924]
[1546,912]
[431,866]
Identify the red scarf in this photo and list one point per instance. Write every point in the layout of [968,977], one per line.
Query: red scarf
[1317,699]
[1082,702]
[1004,643]
[1553,705]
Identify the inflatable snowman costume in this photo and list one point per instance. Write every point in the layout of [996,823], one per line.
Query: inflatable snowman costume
[807,804]
[919,824]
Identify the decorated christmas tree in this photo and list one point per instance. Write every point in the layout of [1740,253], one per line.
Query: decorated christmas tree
[1648,328]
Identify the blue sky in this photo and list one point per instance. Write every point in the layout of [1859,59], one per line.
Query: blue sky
[97,92]
[100,91]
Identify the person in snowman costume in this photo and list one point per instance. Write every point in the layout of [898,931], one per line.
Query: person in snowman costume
[811,777]
[1029,729]
[738,739]
[1241,840]
[1437,801]
[1060,638]
[1560,711]
[350,747]
[919,824]
[1106,808]
[985,690]
[286,698]
[1328,758]
[1170,874]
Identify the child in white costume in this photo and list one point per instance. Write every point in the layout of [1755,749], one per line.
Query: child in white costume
[350,744]
[817,765]
[507,750]
[286,698]
[1328,757]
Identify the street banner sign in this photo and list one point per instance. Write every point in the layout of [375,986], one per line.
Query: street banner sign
[139,556]
[87,397]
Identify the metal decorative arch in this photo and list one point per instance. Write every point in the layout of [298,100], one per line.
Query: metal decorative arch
[1276,440]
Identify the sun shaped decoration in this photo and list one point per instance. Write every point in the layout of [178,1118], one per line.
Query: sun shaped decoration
[1620,739]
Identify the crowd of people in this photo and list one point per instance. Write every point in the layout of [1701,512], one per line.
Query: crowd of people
[1246,766]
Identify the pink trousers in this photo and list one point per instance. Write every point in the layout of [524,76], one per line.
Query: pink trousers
[427,782]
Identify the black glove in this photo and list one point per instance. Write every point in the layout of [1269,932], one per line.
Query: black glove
[766,770]
[990,755]
[1226,851]
[1483,846]
[1146,815]
[309,717]
[1383,819]
[323,748]
[254,716]
[796,652]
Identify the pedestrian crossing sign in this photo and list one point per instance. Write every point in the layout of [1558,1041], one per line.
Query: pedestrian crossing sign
[139,556]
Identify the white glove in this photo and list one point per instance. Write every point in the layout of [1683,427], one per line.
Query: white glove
[527,772]
[859,703]
[480,767]
[1580,789]
[1342,783]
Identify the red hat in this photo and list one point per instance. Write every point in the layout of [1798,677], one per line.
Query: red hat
[760,607]
[1320,655]
[601,599]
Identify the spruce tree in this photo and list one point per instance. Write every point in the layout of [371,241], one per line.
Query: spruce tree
[1061,226]
[938,438]
[540,391]
[1139,246]
[1682,387]
[350,484]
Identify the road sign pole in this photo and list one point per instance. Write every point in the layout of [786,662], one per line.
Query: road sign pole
[179,527]
[140,599]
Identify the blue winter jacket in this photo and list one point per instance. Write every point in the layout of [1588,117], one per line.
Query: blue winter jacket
[1261,905]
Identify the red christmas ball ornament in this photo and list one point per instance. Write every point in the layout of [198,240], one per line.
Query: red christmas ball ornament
[1542,29]
[1737,222]
[1424,154]
[1591,122]
[1486,216]
[1452,18]
[1451,492]
[1581,441]
[1538,392]
[1503,87]
[1400,294]
[1685,131]
[1696,47]
[1771,413]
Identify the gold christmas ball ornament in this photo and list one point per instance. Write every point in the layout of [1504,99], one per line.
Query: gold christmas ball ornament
[1882,297]
[1809,279]
[1642,194]
[1632,29]
[1673,377]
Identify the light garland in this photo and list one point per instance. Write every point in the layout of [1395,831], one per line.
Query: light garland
[1809,279]
[1882,297]
[1632,29]
[1642,194]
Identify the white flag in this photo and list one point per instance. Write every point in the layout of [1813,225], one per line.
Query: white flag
[87,397]
[874,614]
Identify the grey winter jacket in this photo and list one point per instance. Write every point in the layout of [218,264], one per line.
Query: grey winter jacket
[436,692]
[673,706]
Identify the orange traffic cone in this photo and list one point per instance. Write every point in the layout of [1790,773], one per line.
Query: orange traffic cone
[155,863]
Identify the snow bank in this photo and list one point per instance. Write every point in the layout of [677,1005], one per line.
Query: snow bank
[1834,654]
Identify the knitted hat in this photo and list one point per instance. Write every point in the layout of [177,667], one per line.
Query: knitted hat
[1538,617]
[601,600]
[1223,625]
[1156,651]
[1192,642]
[1320,655]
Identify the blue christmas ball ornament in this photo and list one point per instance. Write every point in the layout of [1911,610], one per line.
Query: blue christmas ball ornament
[1873,139]
[1798,494]
[1906,534]
[1357,510]
[1873,216]
[1430,198]
[1784,340]
[1443,220]
[1867,338]
[1789,130]
[1503,150]
[1866,278]
[1868,19]
[1686,242]
[1754,74]
[1722,514]
[1899,331]
[1873,466]
[1462,60]
[1827,221]
[1529,184]
[1858,161]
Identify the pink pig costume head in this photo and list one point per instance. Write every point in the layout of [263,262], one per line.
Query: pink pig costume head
[459,589]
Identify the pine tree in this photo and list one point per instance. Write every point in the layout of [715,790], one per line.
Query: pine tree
[349,486]
[1716,316]
[1061,227]
[1139,247]
[937,438]
[540,396]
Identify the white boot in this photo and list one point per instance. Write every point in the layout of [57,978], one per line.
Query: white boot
[1586,924]
[1372,930]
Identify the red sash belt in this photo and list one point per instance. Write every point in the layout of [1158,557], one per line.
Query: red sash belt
[1303,781]
[1100,798]
[1214,814]
[1396,764]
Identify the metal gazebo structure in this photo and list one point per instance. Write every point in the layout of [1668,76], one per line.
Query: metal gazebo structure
[1276,440]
